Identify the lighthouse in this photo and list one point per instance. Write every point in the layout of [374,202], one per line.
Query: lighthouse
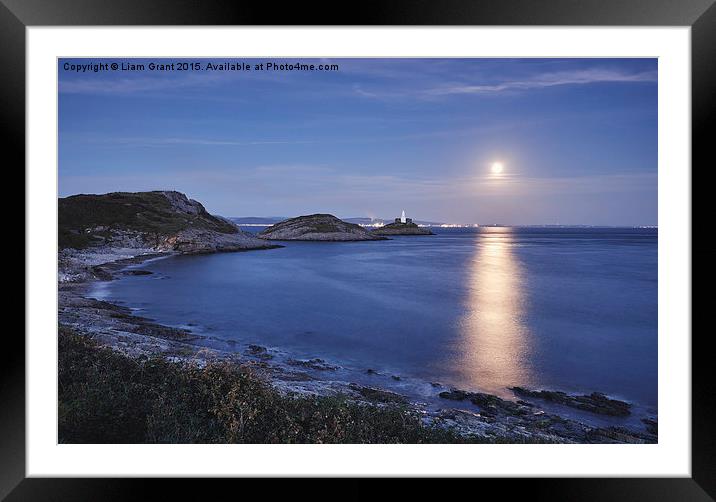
[403,220]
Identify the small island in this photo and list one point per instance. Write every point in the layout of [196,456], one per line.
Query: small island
[317,227]
[402,226]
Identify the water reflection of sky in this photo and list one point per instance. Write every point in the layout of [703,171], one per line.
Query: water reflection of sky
[495,341]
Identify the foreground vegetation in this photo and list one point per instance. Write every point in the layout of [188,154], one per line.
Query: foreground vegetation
[105,397]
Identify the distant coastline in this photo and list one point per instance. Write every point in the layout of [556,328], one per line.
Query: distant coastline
[255,221]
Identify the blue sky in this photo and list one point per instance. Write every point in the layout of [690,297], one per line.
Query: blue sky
[577,138]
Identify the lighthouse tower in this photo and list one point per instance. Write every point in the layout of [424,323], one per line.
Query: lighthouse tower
[402,217]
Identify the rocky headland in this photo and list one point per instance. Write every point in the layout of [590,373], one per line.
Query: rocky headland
[97,229]
[317,227]
[398,228]
[160,221]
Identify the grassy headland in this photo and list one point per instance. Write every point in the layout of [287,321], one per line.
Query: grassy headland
[86,219]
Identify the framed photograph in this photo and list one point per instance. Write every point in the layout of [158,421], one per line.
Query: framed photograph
[433,240]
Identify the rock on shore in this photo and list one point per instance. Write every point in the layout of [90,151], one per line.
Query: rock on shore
[317,227]
[165,221]
[402,229]
[531,418]
[595,402]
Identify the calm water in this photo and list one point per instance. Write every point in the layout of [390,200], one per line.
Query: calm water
[482,309]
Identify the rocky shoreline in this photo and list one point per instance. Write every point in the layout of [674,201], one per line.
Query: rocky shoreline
[487,416]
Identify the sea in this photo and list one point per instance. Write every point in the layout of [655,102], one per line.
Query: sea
[482,309]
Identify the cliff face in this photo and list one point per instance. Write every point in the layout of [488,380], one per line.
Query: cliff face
[162,221]
[317,227]
[401,229]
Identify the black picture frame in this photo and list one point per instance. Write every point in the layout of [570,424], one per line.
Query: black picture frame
[16,15]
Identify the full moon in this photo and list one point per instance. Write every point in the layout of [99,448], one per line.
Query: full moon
[496,167]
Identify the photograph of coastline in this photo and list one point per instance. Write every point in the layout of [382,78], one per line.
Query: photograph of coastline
[358,250]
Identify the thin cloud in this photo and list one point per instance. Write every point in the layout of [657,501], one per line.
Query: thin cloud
[141,142]
[323,180]
[360,92]
[577,77]
[540,81]
[202,142]
[89,85]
